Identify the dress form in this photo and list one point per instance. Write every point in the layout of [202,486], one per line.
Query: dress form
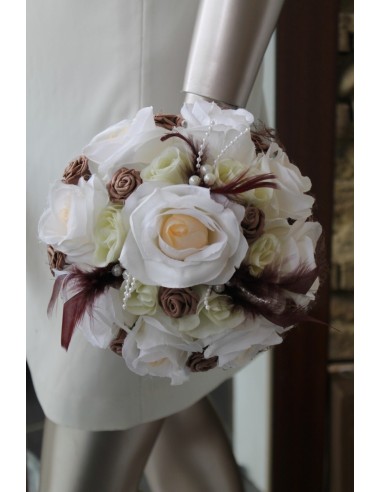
[133,446]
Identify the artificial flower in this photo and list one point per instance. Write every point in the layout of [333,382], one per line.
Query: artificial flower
[143,299]
[172,166]
[68,222]
[289,200]
[253,223]
[262,253]
[78,168]
[243,342]
[151,349]
[152,260]
[110,232]
[122,184]
[120,145]
[178,303]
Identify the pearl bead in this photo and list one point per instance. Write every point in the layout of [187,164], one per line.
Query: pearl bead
[194,180]
[116,270]
[206,169]
[219,288]
[209,179]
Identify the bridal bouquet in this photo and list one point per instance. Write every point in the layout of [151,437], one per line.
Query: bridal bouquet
[183,243]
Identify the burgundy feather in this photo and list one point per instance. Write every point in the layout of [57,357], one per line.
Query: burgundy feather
[179,135]
[269,294]
[242,183]
[87,287]
[55,293]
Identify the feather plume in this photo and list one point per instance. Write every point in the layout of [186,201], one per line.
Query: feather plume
[242,183]
[270,295]
[83,288]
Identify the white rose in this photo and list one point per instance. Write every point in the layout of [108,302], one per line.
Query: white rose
[297,247]
[201,113]
[180,237]
[150,348]
[109,234]
[127,142]
[226,131]
[68,222]
[237,347]
[106,318]
[289,199]
[171,166]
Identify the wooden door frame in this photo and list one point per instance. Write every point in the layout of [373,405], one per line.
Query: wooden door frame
[305,120]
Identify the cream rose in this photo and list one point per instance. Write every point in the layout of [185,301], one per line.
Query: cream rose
[229,169]
[109,234]
[172,166]
[262,252]
[68,222]
[143,299]
[221,316]
[206,250]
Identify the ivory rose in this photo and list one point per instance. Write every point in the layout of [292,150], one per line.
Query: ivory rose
[150,348]
[238,346]
[289,200]
[262,252]
[221,316]
[297,246]
[127,142]
[172,166]
[222,127]
[143,299]
[150,257]
[109,234]
[68,222]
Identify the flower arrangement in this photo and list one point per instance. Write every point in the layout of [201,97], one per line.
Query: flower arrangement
[183,243]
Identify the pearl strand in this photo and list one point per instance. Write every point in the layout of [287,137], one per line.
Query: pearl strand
[203,144]
[128,288]
[227,146]
[206,298]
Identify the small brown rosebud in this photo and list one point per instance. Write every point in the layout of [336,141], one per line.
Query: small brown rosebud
[197,362]
[56,259]
[78,168]
[116,344]
[122,184]
[177,303]
[253,223]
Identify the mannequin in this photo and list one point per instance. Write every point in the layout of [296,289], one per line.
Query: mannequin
[187,449]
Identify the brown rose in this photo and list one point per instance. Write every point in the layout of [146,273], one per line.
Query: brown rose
[122,184]
[56,259]
[79,168]
[197,362]
[116,345]
[177,303]
[253,223]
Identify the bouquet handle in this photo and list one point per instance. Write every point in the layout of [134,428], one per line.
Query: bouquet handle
[229,41]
